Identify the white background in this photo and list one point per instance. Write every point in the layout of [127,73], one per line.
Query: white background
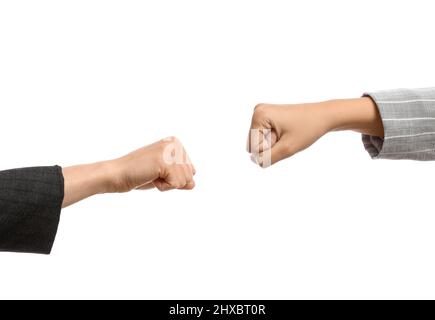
[82,81]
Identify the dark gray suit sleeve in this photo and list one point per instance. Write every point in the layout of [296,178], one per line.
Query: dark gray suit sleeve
[30,204]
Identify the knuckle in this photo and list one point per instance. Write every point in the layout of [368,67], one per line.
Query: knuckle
[171,138]
[260,110]
[164,144]
[259,106]
[170,141]
[177,184]
[176,141]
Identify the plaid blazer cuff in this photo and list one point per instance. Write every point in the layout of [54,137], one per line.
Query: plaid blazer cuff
[408,117]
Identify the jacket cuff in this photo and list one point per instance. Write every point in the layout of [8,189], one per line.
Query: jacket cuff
[30,205]
[408,117]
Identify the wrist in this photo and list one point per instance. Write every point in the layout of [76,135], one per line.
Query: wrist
[130,171]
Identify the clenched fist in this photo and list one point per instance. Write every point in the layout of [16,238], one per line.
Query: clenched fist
[164,165]
[279,131]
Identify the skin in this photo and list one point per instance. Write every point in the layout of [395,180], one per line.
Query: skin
[164,165]
[285,130]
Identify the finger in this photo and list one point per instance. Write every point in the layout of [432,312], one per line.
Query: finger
[261,139]
[178,177]
[267,140]
[254,126]
[190,164]
[252,140]
[185,170]
[258,140]
[162,185]
[188,173]
[255,139]
[191,173]
[259,121]
[193,170]
[189,186]
[281,150]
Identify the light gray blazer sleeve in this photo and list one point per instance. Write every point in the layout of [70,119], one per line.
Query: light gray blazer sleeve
[408,116]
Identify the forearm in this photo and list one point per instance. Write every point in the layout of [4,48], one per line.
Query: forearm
[361,115]
[83,181]
[295,127]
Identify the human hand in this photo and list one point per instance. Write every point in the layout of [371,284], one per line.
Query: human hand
[280,131]
[163,164]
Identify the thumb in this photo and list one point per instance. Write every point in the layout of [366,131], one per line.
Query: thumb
[159,183]
[145,186]
[162,185]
